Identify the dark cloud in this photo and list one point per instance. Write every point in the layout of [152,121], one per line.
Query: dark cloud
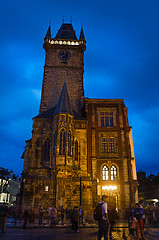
[121,61]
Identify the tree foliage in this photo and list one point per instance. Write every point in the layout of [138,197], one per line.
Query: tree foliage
[148,185]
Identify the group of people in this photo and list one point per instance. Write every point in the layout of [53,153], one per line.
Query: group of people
[135,215]
[71,215]
[136,219]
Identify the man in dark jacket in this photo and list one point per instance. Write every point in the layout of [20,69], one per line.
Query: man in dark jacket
[74,217]
[3,216]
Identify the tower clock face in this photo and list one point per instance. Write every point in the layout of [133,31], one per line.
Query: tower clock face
[64,55]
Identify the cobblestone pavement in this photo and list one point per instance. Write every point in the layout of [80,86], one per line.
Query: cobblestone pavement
[67,234]
[54,234]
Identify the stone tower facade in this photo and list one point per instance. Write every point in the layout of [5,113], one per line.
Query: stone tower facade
[80,148]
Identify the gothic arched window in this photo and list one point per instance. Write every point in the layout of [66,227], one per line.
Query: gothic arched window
[54,143]
[62,149]
[113,173]
[105,173]
[69,143]
[37,146]
[46,155]
[76,151]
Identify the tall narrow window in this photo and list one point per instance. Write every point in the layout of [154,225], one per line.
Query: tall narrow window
[105,173]
[111,145]
[62,149]
[104,145]
[113,173]
[54,143]
[69,143]
[107,119]
[76,150]
[46,156]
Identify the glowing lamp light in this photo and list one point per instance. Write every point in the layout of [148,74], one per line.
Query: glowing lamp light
[110,187]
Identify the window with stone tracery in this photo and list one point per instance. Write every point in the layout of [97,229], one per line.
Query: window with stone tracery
[105,173]
[76,151]
[106,119]
[108,145]
[46,153]
[69,143]
[62,148]
[113,173]
[54,143]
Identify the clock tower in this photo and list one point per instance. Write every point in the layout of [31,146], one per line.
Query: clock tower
[63,63]
[74,157]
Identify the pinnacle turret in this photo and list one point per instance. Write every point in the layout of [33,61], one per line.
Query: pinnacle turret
[48,34]
[64,105]
[82,37]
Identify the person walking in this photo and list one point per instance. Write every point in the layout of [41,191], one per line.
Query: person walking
[3,216]
[138,214]
[113,216]
[103,224]
[41,212]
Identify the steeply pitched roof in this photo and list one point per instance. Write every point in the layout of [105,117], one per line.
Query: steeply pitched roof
[48,34]
[63,105]
[47,114]
[82,37]
[66,31]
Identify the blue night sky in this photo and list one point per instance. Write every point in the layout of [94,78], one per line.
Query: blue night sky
[121,61]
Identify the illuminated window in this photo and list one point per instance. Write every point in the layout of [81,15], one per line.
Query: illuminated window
[62,149]
[46,155]
[105,173]
[76,150]
[69,143]
[106,119]
[46,188]
[108,145]
[113,173]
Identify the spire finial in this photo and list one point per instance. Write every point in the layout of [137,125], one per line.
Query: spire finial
[71,19]
[63,19]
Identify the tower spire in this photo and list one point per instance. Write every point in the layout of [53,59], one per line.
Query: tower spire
[63,105]
[82,37]
[48,34]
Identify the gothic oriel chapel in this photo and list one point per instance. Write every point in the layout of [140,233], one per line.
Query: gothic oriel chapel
[80,148]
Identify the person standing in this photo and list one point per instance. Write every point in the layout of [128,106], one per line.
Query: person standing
[103,224]
[3,216]
[80,215]
[75,216]
[138,214]
[26,217]
[41,212]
